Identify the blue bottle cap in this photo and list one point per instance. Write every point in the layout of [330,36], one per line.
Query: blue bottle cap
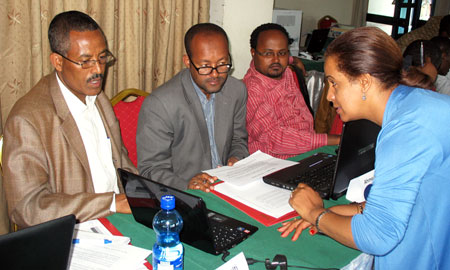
[168,202]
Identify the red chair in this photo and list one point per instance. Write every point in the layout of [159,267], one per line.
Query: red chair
[127,113]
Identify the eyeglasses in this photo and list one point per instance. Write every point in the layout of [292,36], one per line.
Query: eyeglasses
[270,54]
[104,58]
[206,70]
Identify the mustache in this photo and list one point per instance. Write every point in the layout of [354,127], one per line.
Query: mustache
[95,76]
[275,65]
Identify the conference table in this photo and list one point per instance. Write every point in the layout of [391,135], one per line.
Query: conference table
[310,251]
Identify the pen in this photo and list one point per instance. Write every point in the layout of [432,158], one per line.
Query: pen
[421,54]
[94,241]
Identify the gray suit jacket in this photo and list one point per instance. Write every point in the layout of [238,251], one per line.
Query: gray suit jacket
[45,166]
[172,137]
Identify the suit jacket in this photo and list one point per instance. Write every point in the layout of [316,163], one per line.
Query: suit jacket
[45,165]
[172,137]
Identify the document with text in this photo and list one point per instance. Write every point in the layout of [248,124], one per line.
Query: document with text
[270,200]
[250,169]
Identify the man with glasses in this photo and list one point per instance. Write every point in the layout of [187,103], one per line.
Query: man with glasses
[279,122]
[195,121]
[62,142]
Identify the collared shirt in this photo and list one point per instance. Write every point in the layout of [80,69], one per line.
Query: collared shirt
[442,84]
[208,106]
[96,142]
[278,121]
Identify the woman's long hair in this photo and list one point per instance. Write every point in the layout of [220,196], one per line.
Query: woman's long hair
[369,50]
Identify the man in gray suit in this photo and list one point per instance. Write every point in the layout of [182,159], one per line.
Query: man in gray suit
[195,121]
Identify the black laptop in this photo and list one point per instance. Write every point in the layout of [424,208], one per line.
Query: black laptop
[43,246]
[330,175]
[202,228]
[316,42]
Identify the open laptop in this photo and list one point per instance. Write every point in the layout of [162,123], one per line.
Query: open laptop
[317,40]
[330,175]
[43,246]
[204,229]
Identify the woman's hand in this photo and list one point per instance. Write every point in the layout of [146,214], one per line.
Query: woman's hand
[296,225]
[306,202]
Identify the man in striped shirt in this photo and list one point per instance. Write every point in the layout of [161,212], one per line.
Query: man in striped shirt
[278,120]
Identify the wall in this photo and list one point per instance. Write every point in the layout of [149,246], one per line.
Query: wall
[239,18]
[313,10]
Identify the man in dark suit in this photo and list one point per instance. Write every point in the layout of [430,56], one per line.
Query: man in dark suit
[195,121]
[62,141]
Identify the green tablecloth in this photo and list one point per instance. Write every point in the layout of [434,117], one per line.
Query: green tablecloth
[312,251]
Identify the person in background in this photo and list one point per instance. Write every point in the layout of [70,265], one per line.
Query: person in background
[279,122]
[444,26]
[62,142]
[195,121]
[404,222]
[444,47]
[424,56]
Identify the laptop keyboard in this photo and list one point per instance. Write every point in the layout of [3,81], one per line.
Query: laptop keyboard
[318,178]
[224,235]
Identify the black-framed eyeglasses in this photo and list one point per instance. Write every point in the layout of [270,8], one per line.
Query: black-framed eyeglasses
[105,58]
[206,70]
[270,54]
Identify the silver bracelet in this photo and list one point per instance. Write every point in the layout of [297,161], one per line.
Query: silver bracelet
[319,217]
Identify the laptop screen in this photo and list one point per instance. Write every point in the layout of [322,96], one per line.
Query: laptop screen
[356,155]
[144,199]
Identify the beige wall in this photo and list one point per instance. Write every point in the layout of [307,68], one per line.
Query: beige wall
[313,10]
[239,18]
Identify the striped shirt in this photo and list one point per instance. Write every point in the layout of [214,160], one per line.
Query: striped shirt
[278,120]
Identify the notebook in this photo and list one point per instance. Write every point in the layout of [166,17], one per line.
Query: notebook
[43,246]
[203,229]
[328,174]
[317,40]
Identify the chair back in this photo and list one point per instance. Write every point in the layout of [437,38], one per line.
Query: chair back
[127,113]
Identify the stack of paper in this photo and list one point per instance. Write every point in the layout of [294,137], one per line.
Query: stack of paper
[95,247]
[244,188]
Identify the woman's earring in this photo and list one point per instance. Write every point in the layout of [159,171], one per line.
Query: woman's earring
[364,96]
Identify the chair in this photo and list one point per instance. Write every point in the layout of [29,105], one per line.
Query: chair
[127,113]
[43,246]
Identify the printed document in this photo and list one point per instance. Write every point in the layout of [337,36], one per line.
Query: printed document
[268,199]
[250,169]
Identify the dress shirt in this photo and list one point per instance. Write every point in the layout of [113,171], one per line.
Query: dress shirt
[96,142]
[208,107]
[442,84]
[278,121]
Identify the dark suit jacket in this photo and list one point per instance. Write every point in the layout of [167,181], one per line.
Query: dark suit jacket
[172,137]
[46,170]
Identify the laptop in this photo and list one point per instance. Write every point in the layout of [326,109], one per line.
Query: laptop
[203,229]
[317,40]
[330,175]
[43,246]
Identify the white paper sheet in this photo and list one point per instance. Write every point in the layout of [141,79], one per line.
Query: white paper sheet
[238,262]
[250,169]
[107,257]
[270,200]
[95,247]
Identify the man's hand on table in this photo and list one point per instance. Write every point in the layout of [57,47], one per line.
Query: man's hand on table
[202,181]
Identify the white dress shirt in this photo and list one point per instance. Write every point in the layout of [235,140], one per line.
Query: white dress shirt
[96,142]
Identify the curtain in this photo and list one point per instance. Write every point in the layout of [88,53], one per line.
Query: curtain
[146,36]
[359,12]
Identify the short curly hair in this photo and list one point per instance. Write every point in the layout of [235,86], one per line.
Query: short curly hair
[266,27]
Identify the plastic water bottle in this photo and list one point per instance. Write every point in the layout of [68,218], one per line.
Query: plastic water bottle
[167,223]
